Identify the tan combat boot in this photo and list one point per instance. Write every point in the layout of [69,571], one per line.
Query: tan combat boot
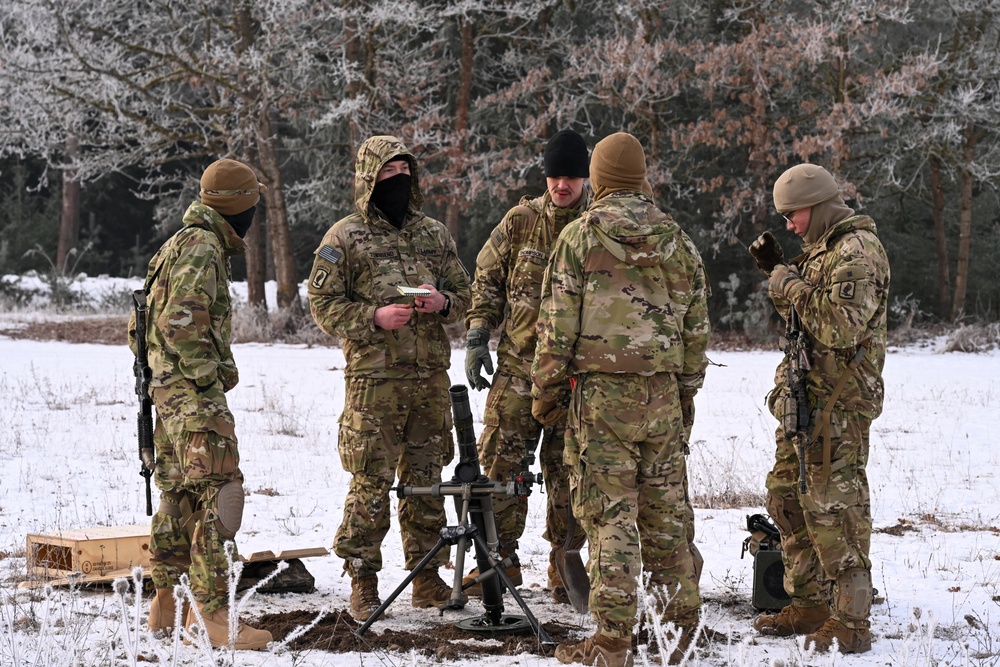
[513,573]
[364,596]
[556,585]
[792,620]
[163,611]
[599,650]
[429,590]
[248,638]
[849,640]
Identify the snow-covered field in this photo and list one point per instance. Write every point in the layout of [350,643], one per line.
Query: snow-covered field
[67,460]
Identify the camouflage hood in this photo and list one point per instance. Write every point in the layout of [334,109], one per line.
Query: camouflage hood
[633,229]
[199,215]
[372,156]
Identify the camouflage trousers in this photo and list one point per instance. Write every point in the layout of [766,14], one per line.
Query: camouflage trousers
[190,468]
[507,422]
[826,530]
[625,449]
[393,428]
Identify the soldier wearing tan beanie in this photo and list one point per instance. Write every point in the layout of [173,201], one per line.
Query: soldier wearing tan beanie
[230,187]
[618,164]
[623,321]
[837,290]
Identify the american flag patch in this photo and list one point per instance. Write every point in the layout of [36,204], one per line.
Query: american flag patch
[329,254]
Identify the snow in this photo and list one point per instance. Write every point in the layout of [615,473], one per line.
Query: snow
[68,460]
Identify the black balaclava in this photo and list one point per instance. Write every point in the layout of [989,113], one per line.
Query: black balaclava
[241,221]
[392,197]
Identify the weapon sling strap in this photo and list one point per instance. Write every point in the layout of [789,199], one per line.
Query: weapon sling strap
[822,426]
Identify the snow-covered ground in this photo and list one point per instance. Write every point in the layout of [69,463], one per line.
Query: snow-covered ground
[68,460]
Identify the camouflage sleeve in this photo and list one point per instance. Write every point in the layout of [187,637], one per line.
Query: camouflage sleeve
[837,313]
[489,291]
[329,290]
[456,282]
[558,319]
[185,320]
[697,329]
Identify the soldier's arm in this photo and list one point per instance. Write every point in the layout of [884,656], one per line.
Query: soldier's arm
[837,313]
[489,290]
[558,325]
[456,281]
[185,320]
[330,300]
[696,331]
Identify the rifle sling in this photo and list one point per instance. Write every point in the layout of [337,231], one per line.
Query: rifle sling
[822,427]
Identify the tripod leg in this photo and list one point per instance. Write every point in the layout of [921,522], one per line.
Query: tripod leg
[399,589]
[500,571]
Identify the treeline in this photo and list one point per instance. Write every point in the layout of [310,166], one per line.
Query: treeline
[110,110]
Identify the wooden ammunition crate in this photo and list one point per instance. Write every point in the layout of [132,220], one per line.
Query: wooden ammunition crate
[99,553]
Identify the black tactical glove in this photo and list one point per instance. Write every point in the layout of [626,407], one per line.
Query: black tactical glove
[767,252]
[477,357]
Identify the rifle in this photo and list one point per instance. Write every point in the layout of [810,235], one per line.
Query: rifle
[143,374]
[797,416]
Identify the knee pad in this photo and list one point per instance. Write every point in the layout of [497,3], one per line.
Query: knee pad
[854,594]
[224,506]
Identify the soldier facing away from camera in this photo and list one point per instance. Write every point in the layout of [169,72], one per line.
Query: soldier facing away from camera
[624,314]
[197,459]
[507,290]
[838,289]
[396,419]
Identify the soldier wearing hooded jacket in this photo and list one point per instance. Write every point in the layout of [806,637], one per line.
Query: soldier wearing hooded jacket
[507,290]
[396,419]
[839,290]
[624,313]
[197,459]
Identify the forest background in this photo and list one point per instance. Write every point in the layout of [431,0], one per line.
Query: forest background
[110,110]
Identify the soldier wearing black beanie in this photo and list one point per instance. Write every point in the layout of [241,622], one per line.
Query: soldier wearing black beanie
[505,295]
[566,155]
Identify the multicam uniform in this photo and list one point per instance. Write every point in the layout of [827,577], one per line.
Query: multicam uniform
[840,293]
[396,418]
[624,311]
[188,338]
[508,289]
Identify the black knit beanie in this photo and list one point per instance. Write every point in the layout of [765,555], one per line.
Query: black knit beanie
[566,155]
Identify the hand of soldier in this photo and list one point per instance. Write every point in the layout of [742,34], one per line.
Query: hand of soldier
[229,374]
[477,357]
[781,279]
[393,316]
[767,252]
[432,303]
[547,412]
[687,412]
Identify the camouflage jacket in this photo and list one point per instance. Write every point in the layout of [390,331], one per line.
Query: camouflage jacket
[361,261]
[841,294]
[509,271]
[624,292]
[189,330]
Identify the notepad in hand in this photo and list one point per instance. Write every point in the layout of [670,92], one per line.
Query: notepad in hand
[413,291]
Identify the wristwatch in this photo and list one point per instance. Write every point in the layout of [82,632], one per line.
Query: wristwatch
[447,305]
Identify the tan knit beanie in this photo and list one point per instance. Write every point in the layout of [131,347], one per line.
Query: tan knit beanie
[617,163]
[230,187]
[803,186]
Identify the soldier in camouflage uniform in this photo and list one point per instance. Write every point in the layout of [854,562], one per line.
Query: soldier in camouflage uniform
[508,290]
[197,460]
[396,419]
[624,315]
[839,288]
